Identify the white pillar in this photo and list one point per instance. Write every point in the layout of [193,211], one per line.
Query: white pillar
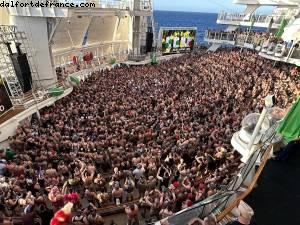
[117,24]
[130,33]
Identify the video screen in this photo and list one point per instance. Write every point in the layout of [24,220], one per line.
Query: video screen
[178,41]
[5,103]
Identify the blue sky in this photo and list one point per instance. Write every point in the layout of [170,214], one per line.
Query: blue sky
[200,5]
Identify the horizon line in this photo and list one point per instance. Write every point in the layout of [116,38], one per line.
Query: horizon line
[183,11]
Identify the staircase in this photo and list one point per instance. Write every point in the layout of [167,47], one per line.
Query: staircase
[214,47]
[11,113]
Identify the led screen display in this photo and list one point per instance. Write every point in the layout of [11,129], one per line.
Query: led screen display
[177,40]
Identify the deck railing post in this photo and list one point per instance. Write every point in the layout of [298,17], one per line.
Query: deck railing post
[256,131]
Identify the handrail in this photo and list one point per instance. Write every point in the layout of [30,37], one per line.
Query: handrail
[234,204]
[91,47]
[258,18]
[260,43]
[114,4]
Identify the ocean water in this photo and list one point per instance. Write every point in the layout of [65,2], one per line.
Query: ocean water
[202,21]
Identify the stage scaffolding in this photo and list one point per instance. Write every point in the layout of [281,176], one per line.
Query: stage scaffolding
[10,34]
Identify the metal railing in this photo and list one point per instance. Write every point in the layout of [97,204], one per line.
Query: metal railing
[84,67]
[137,57]
[231,16]
[36,96]
[257,18]
[146,5]
[98,47]
[260,43]
[280,51]
[109,4]
[100,51]
[235,36]
[217,35]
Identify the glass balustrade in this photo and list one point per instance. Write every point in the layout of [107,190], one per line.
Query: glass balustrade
[222,36]
[257,18]
[261,42]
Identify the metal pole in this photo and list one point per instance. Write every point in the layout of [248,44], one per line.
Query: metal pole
[36,106]
[256,131]
[38,115]
[290,53]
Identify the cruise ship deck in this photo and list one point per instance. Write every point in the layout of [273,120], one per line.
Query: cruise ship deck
[109,121]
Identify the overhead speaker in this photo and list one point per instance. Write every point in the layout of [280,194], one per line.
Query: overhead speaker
[22,68]
[149,41]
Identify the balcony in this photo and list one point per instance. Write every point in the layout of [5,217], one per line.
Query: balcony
[25,8]
[102,53]
[105,4]
[274,49]
[280,52]
[220,37]
[237,38]
[240,19]
[265,44]
[142,8]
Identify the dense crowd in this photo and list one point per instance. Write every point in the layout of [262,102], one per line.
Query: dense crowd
[155,136]
[245,35]
[265,42]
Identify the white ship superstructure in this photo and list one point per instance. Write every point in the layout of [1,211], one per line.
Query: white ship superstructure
[106,28]
[112,31]
[285,16]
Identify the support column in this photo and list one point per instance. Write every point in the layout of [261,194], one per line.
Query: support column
[250,10]
[136,28]
[136,34]
[118,21]
[130,33]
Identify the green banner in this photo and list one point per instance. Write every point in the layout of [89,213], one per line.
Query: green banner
[113,61]
[289,128]
[74,80]
[280,31]
[153,59]
[55,91]
[252,24]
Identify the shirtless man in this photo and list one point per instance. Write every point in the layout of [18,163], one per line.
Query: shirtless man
[132,213]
